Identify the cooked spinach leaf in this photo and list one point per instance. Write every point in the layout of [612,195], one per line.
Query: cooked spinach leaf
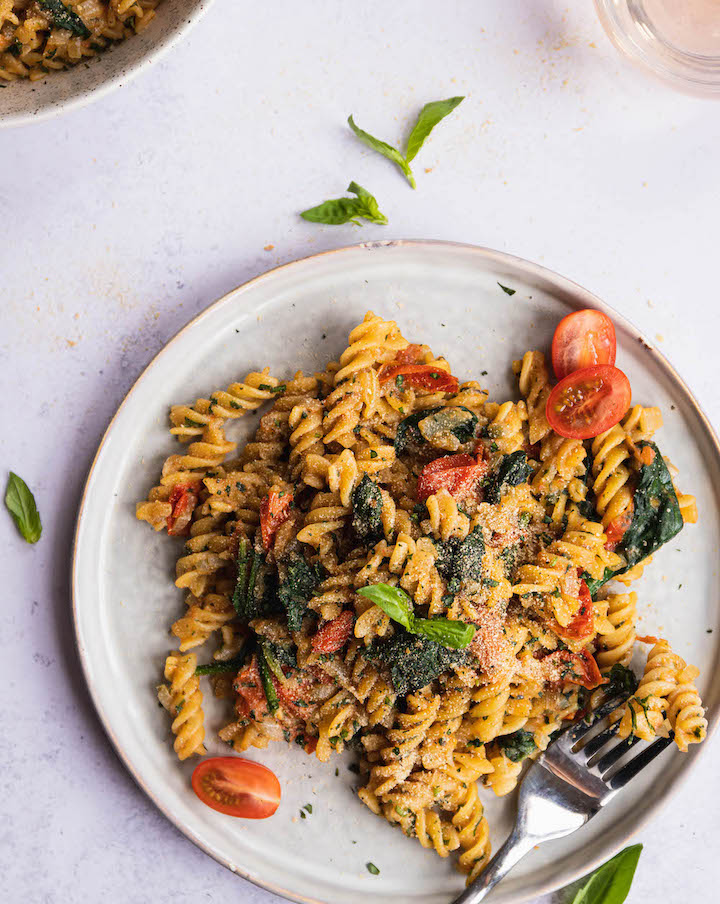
[457,421]
[408,437]
[518,745]
[594,584]
[413,660]
[64,17]
[218,668]
[297,588]
[367,510]
[657,517]
[511,472]
[621,680]
[461,560]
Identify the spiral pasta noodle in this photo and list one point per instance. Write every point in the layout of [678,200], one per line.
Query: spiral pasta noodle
[182,698]
[616,645]
[644,712]
[534,383]
[685,711]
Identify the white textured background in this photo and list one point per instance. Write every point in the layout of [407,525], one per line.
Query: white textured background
[125,219]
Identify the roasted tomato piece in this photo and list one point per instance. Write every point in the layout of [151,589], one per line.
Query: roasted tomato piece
[274,510]
[582,626]
[183,499]
[617,528]
[420,376]
[574,668]
[333,635]
[458,474]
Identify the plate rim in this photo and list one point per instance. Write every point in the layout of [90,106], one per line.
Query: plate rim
[579,295]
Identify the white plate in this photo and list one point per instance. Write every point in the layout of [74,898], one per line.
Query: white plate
[298,316]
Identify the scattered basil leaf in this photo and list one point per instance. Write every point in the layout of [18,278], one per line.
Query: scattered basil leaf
[371,868]
[338,211]
[611,883]
[63,17]
[393,601]
[506,290]
[382,147]
[20,502]
[430,115]
[454,634]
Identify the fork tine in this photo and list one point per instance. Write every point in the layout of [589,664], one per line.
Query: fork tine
[596,744]
[636,765]
[580,729]
[615,754]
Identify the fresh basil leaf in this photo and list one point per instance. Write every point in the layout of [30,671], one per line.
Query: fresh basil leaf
[611,883]
[63,17]
[506,290]
[430,115]
[393,601]
[338,211]
[20,502]
[382,147]
[454,634]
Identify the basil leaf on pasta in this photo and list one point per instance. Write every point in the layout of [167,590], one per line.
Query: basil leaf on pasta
[454,634]
[393,601]
[382,147]
[20,502]
[611,883]
[430,115]
[64,17]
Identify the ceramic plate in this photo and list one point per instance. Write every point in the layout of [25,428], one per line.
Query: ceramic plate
[299,316]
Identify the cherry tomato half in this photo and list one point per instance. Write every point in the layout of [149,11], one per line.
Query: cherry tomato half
[582,626]
[237,787]
[333,635]
[582,339]
[575,668]
[588,401]
[183,499]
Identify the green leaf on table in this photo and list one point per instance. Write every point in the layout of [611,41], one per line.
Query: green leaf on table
[382,147]
[64,17]
[393,601]
[611,883]
[338,211]
[20,502]
[430,115]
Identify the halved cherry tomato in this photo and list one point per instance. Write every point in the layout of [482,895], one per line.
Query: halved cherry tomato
[183,499]
[582,339]
[582,626]
[588,401]
[576,668]
[274,510]
[333,635]
[420,376]
[458,474]
[237,787]
[617,528]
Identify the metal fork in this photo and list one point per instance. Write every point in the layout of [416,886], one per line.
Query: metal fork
[566,786]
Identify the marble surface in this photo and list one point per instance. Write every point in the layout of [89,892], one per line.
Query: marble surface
[125,219]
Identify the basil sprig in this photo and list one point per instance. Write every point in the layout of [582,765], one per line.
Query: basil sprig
[20,502]
[337,211]
[430,115]
[397,604]
[611,883]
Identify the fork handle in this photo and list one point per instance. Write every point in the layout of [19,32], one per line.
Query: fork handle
[514,849]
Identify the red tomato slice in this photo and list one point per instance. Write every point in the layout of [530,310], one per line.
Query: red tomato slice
[582,626]
[333,635]
[458,474]
[582,339]
[183,499]
[588,401]
[274,510]
[576,668]
[237,787]
[617,528]
[420,376]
